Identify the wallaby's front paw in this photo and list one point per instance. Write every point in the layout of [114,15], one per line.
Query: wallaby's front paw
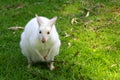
[42,59]
[45,57]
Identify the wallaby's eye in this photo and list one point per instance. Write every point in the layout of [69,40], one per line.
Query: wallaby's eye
[40,32]
[48,32]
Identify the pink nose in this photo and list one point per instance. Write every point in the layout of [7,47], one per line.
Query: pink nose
[43,40]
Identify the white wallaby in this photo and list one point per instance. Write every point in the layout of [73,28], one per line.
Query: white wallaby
[40,41]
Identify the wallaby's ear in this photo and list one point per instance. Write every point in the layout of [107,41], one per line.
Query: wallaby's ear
[38,20]
[53,20]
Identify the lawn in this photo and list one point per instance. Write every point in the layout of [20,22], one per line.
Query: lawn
[90,47]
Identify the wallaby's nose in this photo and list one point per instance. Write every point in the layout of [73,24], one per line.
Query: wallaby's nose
[43,40]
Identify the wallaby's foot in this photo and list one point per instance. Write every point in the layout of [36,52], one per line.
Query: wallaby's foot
[30,63]
[29,66]
[51,66]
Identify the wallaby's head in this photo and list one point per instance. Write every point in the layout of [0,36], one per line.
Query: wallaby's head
[45,27]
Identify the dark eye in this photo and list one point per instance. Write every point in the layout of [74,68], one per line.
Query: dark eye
[48,32]
[40,32]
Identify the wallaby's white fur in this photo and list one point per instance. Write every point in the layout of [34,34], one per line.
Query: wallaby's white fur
[40,46]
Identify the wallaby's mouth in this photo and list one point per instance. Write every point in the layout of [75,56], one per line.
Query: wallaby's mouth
[43,40]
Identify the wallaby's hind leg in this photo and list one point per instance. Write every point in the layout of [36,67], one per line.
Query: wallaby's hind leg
[51,66]
[30,62]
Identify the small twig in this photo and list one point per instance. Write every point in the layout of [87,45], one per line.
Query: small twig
[66,34]
[74,20]
[88,13]
[15,28]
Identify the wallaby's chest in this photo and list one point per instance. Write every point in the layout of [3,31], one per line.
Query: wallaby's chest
[44,50]
[44,47]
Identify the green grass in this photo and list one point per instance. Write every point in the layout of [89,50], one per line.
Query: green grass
[90,52]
